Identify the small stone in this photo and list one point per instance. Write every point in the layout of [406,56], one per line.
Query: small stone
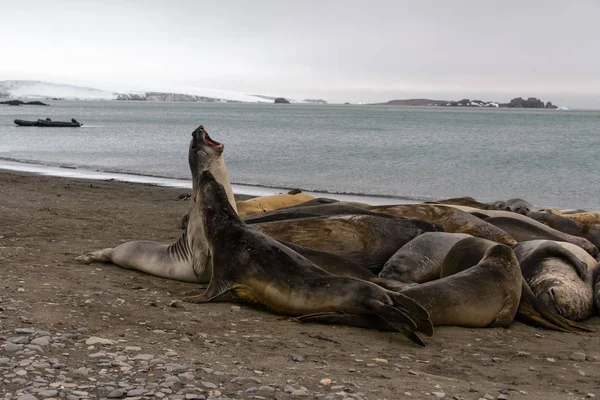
[144,357]
[115,394]
[550,359]
[325,381]
[439,395]
[380,360]
[209,385]
[266,390]
[41,341]
[98,340]
[502,397]
[10,347]
[289,388]
[47,393]
[81,371]
[297,358]
[488,396]
[236,308]
[133,348]
[578,356]
[299,393]
[589,396]
[136,392]
[26,397]
[159,332]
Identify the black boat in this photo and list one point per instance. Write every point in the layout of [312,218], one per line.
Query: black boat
[49,123]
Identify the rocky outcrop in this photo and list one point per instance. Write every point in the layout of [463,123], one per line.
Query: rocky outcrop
[531,102]
[281,100]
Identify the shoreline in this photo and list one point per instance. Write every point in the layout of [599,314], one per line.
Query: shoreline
[238,189]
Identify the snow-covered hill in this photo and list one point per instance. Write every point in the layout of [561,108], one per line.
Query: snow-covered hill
[46,90]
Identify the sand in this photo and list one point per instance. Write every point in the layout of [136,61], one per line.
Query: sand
[45,222]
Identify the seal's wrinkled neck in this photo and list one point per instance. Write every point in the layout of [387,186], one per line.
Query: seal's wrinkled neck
[213,204]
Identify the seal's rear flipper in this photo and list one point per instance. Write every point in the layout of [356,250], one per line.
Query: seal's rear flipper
[360,321]
[534,312]
[418,314]
[98,256]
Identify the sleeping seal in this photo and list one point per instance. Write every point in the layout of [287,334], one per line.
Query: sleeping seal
[421,259]
[450,218]
[175,261]
[558,278]
[269,203]
[523,228]
[457,299]
[366,240]
[567,225]
[256,268]
[531,310]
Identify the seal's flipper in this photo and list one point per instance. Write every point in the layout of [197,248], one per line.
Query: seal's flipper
[98,256]
[419,315]
[392,284]
[218,290]
[360,321]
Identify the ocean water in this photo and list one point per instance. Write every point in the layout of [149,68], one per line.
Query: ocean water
[401,153]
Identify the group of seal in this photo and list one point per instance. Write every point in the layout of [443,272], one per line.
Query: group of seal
[400,267]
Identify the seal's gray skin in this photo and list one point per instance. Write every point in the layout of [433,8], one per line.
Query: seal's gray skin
[531,310]
[596,283]
[458,299]
[523,229]
[256,268]
[462,201]
[421,259]
[307,211]
[175,261]
[557,277]
[366,240]
[567,225]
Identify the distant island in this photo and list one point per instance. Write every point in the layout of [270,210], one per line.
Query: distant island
[517,102]
[23,103]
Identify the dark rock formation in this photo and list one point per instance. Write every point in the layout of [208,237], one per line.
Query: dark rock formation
[531,102]
[281,100]
[19,103]
[550,105]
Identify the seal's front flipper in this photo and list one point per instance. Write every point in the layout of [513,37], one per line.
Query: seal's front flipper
[217,291]
[392,284]
[360,321]
[98,256]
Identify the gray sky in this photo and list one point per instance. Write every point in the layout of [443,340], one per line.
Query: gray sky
[336,50]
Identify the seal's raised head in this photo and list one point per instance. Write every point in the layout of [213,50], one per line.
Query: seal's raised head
[202,148]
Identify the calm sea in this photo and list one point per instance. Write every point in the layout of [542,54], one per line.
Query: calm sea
[548,157]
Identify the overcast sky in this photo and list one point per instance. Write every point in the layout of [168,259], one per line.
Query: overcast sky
[336,50]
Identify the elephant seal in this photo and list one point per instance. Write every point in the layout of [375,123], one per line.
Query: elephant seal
[557,278]
[586,218]
[307,211]
[567,225]
[462,201]
[515,205]
[256,268]
[421,259]
[457,299]
[367,240]
[531,310]
[176,261]
[523,229]
[270,203]
[450,218]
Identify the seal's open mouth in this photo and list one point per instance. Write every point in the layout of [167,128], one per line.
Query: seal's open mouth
[208,141]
